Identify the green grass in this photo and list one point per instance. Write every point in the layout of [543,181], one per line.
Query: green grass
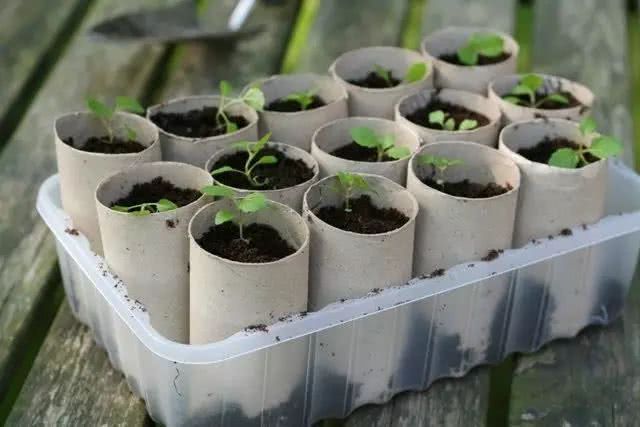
[306,16]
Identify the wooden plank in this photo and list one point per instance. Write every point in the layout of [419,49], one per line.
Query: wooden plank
[198,68]
[340,26]
[72,383]
[27,255]
[446,403]
[586,40]
[497,14]
[25,50]
[592,380]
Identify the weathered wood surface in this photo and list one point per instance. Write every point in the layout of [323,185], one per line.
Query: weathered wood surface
[73,384]
[586,40]
[28,32]
[198,68]
[340,26]
[27,256]
[448,403]
[497,14]
[593,380]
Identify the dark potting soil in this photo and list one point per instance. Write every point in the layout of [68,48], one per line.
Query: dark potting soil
[364,217]
[262,243]
[200,123]
[283,174]
[542,151]
[452,58]
[101,144]
[358,153]
[550,104]
[156,189]
[459,113]
[374,81]
[468,189]
[290,106]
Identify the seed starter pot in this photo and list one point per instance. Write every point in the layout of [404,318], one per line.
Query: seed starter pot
[336,134]
[150,254]
[81,171]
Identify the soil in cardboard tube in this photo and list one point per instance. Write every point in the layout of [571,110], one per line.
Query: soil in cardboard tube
[290,106]
[452,58]
[549,104]
[156,189]
[542,151]
[197,123]
[364,217]
[458,112]
[373,81]
[101,144]
[468,189]
[283,174]
[358,153]
[262,243]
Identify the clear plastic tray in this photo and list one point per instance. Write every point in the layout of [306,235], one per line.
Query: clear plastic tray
[326,364]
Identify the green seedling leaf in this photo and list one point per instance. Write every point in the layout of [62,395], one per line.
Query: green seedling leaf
[364,137]
[217,190]
[224,169]
[604,147]
[231,127]
[266,160]
[304,99]
[416,72]
[532,81]
[141,212]
[561,99]
[359,182]
[262,142]
[387,142]
[99,109]
[119,208]
[450,124]
[225,88]
[468,55]
[131,134]
[588,126]
[383,73]
[490,45]
[253,202]
[124,103]
[468,124]
[254,98]
[437,117]
[512,99]
[223,216]
[398,152]
[564,158]
[165,205]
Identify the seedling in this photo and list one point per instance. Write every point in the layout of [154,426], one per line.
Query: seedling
[303,98]
[383,144]
[242,206]
[438,166]
[529,86]
[347,184]
[447,122]
[143,209]
[253,149]
[415,73]
[602,147]
[105,113]
[253,97]
[485,44]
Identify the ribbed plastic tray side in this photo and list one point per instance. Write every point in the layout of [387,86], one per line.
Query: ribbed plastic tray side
[336,360]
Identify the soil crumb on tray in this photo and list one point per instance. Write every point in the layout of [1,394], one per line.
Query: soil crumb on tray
[102,144]
[452,58]
[542,151]
[283,174]
[156,189]
[457,112]
[364,217]
[262,243]
[468,189]
[549,104]
[374,81]
[290,106]
[200,123]
[358,153]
